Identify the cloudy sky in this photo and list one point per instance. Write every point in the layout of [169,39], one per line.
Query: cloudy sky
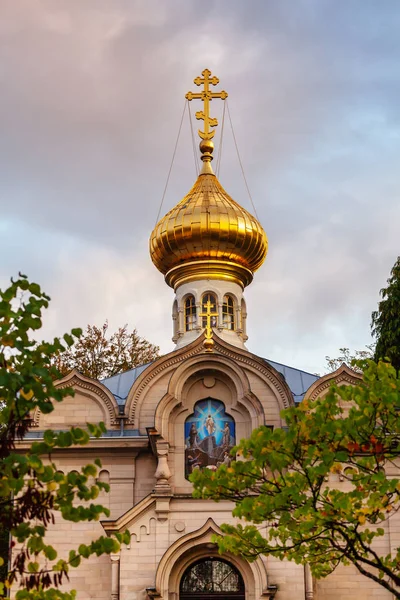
[92,93]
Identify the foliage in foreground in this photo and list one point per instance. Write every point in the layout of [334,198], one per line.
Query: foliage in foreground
[31,487]
[98,356]
[279,482]
[386,320]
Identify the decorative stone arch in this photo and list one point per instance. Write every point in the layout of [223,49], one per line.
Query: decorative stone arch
[246,402]
[188,294]
[259,366]
[211,289]
[92,388]
[196,545]
[154,372]
[342,375]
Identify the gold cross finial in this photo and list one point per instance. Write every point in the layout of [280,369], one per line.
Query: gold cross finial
[208,332]
[206,96]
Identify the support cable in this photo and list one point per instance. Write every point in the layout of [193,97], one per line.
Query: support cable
[240,162]
[196,163]
[172,162]
[220,142]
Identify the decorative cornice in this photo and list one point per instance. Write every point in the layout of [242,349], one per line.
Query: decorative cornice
[127,518]
[96,444]
[343,374]
[156,369]
[76,380]
[260,365]
[196,348]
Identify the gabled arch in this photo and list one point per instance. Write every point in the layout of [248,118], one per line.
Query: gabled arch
[196,545]
[245,400]
[343,374]
[260,366]
[89,387]
[156,370]
[225,353]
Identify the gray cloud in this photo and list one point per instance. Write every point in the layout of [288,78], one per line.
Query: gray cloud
[92,94]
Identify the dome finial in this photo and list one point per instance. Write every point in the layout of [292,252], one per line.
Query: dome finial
[207,235]
[206,145]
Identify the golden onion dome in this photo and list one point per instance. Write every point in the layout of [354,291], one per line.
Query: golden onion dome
[208,235]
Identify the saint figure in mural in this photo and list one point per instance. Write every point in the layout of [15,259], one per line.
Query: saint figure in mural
[193,436]
[210,425]
[209,436]
[226,436]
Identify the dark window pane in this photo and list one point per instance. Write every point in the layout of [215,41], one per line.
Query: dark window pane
[212,576]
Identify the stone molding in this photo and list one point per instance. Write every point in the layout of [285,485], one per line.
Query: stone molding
[258,364]
[128,518]
[222,349]
[76,380]
[245,401]
[155,369]
[343,374]
[196,545]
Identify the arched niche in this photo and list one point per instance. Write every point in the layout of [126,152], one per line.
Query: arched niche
[210,435]
[211,578]
[195,546]
[204,376]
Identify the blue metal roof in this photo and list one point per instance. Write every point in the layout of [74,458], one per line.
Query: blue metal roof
[298,381]
[119,385]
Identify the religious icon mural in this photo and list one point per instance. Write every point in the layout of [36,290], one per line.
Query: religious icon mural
[209,436]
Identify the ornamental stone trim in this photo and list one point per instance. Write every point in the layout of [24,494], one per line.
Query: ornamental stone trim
[285,394]
[76,380]
[342,375]
[154,372]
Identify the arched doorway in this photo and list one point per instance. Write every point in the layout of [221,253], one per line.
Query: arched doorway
[211,579]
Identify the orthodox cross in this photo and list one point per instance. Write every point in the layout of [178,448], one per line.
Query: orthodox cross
[208,332]
[206,96]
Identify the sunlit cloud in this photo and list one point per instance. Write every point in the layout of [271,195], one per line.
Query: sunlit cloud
[92,95]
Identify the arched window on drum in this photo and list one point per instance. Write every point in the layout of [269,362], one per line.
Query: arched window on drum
[228,313]
[209,306]
[190,313]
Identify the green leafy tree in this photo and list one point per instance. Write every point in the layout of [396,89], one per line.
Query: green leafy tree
[279,482]
[385,323]
[32,490]
[98,356]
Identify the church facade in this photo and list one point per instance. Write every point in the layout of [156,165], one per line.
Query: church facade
[185,411]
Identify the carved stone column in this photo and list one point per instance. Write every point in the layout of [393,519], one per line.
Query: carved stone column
[308,583]
[114,576]
[162,473]
[181,322]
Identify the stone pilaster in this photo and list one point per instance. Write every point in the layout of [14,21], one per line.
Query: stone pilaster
[115,561]
[163,473]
